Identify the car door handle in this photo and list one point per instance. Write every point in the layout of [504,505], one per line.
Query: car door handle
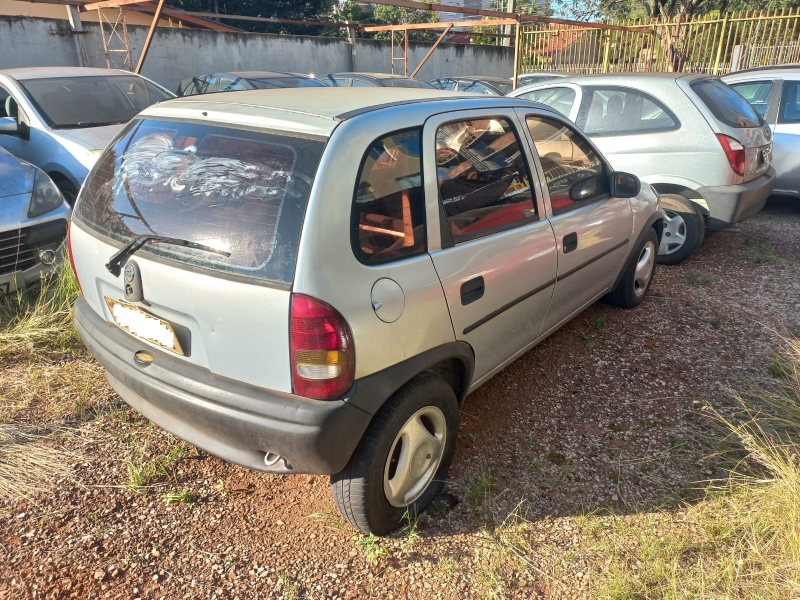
[570,242]
[472,290]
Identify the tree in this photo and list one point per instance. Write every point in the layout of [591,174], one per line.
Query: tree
[311,10]
[382,15]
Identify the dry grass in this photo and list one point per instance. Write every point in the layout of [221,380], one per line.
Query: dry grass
[29,464]
[38,319]
[741,541]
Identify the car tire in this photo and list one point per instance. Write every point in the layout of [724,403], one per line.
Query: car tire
[684,229]
[393,451]
[638,274]
[66,188]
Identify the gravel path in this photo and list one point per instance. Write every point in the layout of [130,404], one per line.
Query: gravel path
[603,415]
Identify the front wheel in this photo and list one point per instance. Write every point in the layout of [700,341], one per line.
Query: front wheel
[401,462]
[684,229]
[638,274]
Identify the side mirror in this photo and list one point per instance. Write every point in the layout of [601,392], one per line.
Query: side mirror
[624,185]
[8,126]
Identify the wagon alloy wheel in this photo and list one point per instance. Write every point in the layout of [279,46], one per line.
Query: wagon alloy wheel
[674,236]
[684,229]
[415,456]
[644,268]
[401,462]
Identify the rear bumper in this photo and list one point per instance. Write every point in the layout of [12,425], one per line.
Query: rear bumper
[730,204]
[237,422]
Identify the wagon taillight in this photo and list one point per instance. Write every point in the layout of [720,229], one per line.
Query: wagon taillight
[322,352]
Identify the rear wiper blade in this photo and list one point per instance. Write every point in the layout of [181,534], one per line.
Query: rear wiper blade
[114,264]
[80,124]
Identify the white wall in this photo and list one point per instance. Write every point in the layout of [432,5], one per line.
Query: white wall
[177,53]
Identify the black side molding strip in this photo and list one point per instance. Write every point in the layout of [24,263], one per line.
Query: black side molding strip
[504,308]
[591,260]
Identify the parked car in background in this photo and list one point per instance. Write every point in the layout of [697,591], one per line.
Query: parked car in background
[699,143]
[774,92]
[538,77]
[245,80]
[492,86]
[33,223]
[356,366]
[61,118]
[373,80]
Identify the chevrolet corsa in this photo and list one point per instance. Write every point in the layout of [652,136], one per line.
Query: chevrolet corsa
[312,282]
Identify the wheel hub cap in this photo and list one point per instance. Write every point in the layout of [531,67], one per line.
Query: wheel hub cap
[644,269]
[673,236]
[415,456]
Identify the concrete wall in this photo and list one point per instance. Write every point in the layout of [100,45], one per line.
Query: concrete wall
[177,53]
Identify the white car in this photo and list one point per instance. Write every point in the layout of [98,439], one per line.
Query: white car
[33,223]
[774,92]
[61,118]
[695,140]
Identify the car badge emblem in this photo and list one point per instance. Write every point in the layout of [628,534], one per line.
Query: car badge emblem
[129,273]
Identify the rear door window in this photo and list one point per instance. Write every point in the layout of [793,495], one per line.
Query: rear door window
[362,83]
[726,105]
[484,181]
[560,99]
[623,111]
[790,103]
[231,84]
[757,93]
[237,190]
[388,220]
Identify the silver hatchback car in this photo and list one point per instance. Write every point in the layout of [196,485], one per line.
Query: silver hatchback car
[312,283]
[61,118]
[774,92]
[699,143]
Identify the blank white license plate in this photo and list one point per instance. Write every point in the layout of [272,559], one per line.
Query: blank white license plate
[8,284]
[144,325]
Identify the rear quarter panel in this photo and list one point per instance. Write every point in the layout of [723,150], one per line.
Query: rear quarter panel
[327,268]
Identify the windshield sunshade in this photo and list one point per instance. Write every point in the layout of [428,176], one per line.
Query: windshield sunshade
[235,190]
[75,102]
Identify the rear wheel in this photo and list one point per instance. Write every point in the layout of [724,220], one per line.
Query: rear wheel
[638,274]
[684,229]
[401,462]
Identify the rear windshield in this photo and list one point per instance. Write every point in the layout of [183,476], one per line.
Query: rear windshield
[725,104]
[78,102]
[285,82]
[406,83]
[236,190]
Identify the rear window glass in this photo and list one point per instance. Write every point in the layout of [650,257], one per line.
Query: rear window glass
[623,111]
[725,104]
[757,93]
[285,82]
[237,190]
[790,103]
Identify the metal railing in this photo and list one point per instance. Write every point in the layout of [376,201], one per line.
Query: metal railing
[713,43]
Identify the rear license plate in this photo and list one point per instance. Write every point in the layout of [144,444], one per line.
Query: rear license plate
[144,325]
[8,284]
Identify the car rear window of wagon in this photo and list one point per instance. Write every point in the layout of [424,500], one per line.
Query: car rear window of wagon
[237,190]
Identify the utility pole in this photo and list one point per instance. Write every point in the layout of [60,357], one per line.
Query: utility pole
[76,27]
[508,30]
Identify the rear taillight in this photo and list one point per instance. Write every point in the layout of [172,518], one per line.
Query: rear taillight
[71,258]
[734,151]
[323,357]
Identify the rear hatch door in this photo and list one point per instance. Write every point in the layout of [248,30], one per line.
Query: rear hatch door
[234,188]
[728,113]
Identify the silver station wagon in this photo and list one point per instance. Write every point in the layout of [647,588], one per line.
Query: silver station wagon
[312,283]
[696,141]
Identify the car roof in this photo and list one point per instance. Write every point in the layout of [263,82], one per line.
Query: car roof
[316,111]
[265,74]
[480,78]
[373,75]
[778,68]
[49,72]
